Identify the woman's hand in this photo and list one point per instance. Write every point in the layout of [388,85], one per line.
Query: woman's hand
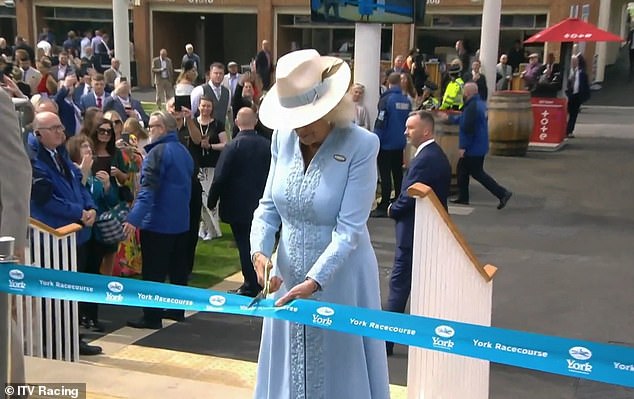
[301,290]
[118,174]
[86,165]
[104,178]
[262,262]
[204,143]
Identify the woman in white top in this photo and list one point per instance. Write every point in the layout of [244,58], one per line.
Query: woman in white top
[361,116]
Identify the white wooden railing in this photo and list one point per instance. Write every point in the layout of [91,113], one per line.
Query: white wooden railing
[448,283]
[49,327]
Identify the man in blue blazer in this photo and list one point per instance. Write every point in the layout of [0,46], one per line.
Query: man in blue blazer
[82,88]
[431,167]
[97,96]
[68,111]
[239,181]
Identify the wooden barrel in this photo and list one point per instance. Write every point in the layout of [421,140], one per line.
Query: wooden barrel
[446,135]
[510,122]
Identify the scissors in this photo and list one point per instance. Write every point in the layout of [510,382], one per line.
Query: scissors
[265,291]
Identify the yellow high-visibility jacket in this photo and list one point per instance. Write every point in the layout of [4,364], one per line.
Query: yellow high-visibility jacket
[453,95]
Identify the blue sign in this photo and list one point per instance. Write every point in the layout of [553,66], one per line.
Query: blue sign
[611,364]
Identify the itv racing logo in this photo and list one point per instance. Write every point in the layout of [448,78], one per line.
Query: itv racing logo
[580,360]
[15,280]
[323,315]
[114,293]
[442,340]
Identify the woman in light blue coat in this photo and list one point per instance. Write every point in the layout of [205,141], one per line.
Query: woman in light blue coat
[320,189]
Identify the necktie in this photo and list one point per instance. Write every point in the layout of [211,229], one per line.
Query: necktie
[99,104]
[217,92]
[60,163]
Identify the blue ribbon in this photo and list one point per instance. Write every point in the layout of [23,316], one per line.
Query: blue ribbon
[570,357]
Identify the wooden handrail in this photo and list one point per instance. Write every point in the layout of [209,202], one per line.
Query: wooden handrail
[421,190]
[59,232]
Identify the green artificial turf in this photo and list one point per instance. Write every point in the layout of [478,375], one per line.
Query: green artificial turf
[215,260]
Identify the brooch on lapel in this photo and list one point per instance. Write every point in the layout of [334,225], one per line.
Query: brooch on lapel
[339,157]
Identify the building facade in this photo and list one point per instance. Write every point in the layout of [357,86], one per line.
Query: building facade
[231,30]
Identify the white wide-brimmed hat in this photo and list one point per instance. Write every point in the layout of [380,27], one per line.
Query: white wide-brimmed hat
[307,87]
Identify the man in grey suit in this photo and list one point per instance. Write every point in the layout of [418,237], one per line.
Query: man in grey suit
[163,72]
[63,69]
[15,192]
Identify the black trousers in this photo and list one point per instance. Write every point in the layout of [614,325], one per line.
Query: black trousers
[631,63]
[390,168]
[163,256]
[195,207]
[574,104]
[474,167]
[241,233]
[94,253]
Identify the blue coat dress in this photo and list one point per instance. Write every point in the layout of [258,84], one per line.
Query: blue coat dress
[324,236]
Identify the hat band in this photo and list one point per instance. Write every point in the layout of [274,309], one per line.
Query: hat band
[309,97]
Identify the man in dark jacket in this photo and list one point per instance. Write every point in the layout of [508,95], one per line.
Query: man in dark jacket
[429,166]
[473,143]
[239,182]
[161,211]
[58,198]
[394,107]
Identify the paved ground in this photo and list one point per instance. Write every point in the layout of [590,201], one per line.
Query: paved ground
[563,246]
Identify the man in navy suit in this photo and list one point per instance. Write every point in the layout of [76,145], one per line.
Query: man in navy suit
[239,181]
[97,96]
[83,87]
[431,167]
[68,111]
[122,102]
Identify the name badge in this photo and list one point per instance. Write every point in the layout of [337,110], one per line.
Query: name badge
[339,157]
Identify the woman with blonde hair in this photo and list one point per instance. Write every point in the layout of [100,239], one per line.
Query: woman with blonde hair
[138,137]
[361,115]
[47,85]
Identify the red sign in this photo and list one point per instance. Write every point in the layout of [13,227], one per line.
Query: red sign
[549,121]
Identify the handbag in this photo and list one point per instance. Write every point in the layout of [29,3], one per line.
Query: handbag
[109,225]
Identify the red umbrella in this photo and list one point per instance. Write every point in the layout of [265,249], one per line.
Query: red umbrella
[573,30]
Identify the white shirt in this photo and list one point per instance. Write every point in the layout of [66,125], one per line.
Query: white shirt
[61,71]
[423,145]
[198,92]
[78,120]
[85,42]
[575,86]
[164,69]
[103,99]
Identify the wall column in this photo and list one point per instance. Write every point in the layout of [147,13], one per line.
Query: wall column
[367,63]
[121,34]
[265,27]
[490,40]
[401,34]
[142,50]
[605,6]
[24,21]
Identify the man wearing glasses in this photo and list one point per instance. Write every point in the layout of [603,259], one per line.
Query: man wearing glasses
[57,196]
[161,211]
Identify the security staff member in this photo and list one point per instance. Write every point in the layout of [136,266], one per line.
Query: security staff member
[454,92]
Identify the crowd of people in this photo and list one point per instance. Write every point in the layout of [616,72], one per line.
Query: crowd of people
[141,186]
[209,154]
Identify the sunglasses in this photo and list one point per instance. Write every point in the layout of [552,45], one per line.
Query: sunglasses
[104,131]
[117,121]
